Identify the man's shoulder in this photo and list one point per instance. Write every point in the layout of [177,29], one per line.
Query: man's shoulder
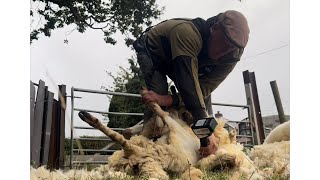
[182,28]
[186,29]
[175,23]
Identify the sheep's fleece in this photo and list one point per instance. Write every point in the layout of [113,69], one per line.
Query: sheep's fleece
[167,144]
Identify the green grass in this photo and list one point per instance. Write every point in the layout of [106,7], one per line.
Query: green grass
[207,175]
[220,175]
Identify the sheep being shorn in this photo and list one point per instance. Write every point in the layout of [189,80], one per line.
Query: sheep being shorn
[175,150]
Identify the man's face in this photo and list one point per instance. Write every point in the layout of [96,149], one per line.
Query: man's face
[218,44]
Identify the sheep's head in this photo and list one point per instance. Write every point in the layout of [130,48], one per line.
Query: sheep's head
[154,128]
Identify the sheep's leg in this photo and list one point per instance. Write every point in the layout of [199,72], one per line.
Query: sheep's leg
[153,170]
[223,161]
[157,110]
[115,136]
[192,173]
[217,162]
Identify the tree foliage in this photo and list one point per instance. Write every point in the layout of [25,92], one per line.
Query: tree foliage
[109,16]
[129,81]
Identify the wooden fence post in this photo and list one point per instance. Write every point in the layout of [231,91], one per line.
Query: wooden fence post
[253,101]
[47,127]
[32,101]
[277,99]
[63,103]
[53,157]
[38,117]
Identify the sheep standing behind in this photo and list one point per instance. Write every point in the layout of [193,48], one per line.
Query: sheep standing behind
[278,134]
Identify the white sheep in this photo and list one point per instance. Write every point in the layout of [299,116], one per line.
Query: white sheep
[175,150]
[278,134]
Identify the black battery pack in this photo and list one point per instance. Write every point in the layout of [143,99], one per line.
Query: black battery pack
[204,127]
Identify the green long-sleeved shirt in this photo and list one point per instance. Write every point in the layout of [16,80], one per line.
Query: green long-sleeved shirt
[177,46]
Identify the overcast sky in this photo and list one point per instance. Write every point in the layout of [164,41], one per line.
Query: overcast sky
[83,61]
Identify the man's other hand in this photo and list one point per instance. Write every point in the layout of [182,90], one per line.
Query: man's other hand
[151,96]
[211,148]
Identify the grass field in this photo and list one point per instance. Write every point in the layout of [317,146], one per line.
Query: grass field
[208,175]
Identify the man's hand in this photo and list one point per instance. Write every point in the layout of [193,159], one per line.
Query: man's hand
[211,148]
[151,96]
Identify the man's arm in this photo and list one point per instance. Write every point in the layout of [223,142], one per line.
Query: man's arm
[186,44]
[210,81]
[186,81]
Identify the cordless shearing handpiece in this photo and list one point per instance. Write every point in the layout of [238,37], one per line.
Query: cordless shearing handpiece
[204,128]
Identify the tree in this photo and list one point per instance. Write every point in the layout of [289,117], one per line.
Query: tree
[130,81]
[126,16]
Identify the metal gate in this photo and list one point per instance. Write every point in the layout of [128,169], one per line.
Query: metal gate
[73,108]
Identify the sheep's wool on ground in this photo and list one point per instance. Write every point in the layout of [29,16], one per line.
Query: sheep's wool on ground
[274,158]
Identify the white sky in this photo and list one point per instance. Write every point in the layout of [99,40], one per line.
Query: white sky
[82,62]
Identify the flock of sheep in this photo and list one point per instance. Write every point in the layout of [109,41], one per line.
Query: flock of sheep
[175,150]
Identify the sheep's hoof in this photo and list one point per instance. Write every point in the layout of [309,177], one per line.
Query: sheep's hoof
[127,133]
[224,162]
[88,118]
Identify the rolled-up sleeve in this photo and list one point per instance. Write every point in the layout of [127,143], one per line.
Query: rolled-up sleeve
[186,44]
